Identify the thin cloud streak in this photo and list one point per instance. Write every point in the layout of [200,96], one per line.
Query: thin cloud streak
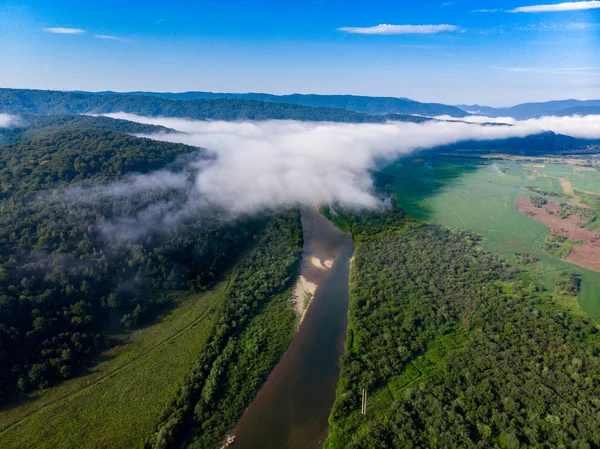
[559,7]
[106,36]
[550,70]
[62,30]
[386,29]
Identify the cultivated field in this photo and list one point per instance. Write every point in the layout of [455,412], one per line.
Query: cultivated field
[587,253]
[121,400]
[481,195]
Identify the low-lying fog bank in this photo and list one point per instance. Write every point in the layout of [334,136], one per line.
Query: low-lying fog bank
[263,165]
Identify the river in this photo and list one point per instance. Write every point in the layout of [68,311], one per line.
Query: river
[291,409]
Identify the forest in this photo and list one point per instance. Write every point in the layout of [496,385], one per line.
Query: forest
[458,349]
[66,285]
[23,101]
[357,103]
[245,345]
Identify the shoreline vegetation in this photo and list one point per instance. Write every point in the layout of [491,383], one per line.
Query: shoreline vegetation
[456,348]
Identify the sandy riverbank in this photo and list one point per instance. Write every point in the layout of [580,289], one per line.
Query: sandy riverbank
[322,245]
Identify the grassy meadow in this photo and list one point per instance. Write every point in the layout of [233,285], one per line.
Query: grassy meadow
[119,402]
[481,195]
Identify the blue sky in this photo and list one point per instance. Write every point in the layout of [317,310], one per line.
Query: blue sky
[445,51]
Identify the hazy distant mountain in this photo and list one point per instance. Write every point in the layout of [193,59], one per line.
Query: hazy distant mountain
[535,110]
[25,101]
[365,105]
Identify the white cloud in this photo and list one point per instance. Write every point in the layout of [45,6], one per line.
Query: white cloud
[566,6]
[8,121]
[106,36]
[61,30]
[400,29]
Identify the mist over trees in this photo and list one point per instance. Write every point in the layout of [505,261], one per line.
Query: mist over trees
[63,281]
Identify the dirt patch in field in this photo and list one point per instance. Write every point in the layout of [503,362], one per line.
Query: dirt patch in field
[588,254]
[566,185]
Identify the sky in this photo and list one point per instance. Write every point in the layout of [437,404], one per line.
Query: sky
[496,53]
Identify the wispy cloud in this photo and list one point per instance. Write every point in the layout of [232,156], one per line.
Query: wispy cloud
[568,26]
[421,46]
[62,30]
[399,29]
[550,70]
[106,36]
[566,6]
[8,121]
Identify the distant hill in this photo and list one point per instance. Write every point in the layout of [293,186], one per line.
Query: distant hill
[362,104]
[24,101]
[534,110]
[545,143]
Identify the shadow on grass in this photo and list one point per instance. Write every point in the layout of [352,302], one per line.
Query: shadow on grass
[421,176]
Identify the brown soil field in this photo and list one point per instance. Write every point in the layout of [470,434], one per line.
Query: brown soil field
[588,254]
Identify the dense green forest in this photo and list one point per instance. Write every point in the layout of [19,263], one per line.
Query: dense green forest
[21,101]
[357,103]
[457,349]
[65,285]
[67,157]
[30,126]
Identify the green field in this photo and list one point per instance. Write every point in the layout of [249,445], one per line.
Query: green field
[481,195]
[120,401]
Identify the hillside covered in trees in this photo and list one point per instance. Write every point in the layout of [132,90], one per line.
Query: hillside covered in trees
[22,101]
[66,282]
[357,103]
[457,349]
[31,125]
[545,143]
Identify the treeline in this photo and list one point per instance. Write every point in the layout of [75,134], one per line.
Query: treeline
[65,283]
[22,101]
[559,246]
[367,105]
[239,357]
[455,351]
[587,215]
[30,126]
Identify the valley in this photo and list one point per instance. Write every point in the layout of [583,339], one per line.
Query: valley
[193,288]
[299,224]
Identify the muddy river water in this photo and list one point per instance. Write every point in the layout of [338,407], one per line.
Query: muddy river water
[292,408]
